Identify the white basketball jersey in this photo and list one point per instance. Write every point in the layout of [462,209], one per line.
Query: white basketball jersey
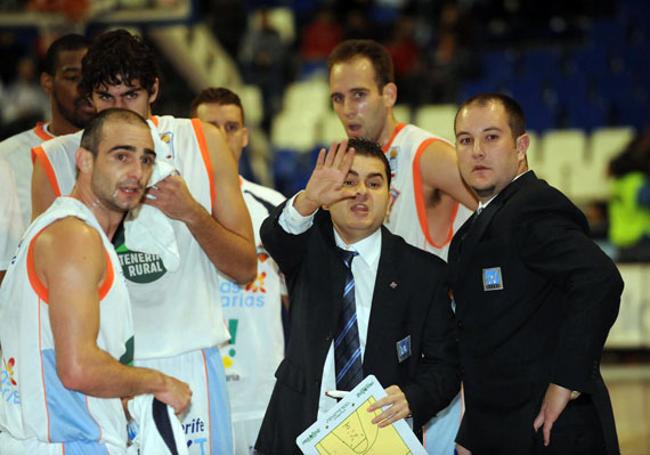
[254,315]
[35,404]
[16,152]
[408,216]
[173,312]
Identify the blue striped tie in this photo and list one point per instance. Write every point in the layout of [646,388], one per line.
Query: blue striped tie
[347,350]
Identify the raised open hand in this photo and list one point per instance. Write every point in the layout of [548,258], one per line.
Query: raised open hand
[325,185]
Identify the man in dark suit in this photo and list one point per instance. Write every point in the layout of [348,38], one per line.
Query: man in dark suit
[535,299]
[400,325]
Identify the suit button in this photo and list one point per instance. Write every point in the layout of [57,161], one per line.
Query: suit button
[459,324]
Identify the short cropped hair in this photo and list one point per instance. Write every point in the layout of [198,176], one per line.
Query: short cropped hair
[516,117]
[69,42]
[217,95]
[377,54]
[117,57]
[372,149]
[94,132]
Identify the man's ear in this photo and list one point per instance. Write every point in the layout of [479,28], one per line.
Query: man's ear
[389,93]
[522,143]
[245,136]
[155,89]
[84,160]
[46,83]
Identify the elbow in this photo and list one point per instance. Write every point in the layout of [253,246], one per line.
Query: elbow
[247,271]
[72,376]
[250,274]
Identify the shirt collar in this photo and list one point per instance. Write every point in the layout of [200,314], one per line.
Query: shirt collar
[482,205]
[369,248]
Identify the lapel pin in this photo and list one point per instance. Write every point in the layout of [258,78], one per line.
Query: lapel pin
[393,285]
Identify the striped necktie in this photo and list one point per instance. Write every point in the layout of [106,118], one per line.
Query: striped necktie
[347,350]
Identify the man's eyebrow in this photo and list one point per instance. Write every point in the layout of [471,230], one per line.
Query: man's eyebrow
[375,174]
[484,130]
[128,148]
[131,148]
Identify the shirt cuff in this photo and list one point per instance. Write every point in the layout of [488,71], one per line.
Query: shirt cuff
[292,221]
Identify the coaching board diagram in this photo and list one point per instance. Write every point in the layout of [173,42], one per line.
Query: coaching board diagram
[347,428]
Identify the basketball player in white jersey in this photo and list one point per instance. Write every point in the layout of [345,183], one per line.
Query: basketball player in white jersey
[177,324]
[65,316]
[69,113]
[429,200]
[253,311]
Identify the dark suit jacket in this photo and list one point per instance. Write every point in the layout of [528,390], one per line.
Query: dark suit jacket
[410,298]
[549,323]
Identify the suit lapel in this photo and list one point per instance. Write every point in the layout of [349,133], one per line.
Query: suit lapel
[388,296]
[479,224]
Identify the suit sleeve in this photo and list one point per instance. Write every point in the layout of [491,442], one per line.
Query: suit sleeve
[287,250]
[554,245]
[437,380]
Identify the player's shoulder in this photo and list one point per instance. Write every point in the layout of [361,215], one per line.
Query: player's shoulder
[170,123]
[67,142]
[69,233]
[16,143]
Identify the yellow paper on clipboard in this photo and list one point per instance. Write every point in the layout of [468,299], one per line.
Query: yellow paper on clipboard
[347,428]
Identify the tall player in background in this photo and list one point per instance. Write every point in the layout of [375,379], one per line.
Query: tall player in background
[177,324]
[429,201]
[69,113]
[254,310]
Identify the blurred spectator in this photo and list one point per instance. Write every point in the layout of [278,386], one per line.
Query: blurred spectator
[453,60]
[629,205]
[11,52]
[320,37]
[228,22]
[263,56]
[407,61]
[357,25]
[24,96]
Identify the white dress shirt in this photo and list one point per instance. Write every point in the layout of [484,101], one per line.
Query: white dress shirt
[364,270]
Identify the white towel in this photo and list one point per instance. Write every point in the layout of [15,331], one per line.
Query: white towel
[157,429]
[146,228]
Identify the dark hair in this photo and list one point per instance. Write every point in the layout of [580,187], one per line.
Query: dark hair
[69,42]
[117,57]
[366,147]
[372,50]
[635,157]
[93,133]
[516,117]
[218,95]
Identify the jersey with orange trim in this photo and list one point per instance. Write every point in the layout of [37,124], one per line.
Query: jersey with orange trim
[15,151]
[173,312]
[254,317]
[407,217]
[36,411]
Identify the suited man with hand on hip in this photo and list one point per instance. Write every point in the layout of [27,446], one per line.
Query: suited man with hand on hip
[535,299]
[363,302]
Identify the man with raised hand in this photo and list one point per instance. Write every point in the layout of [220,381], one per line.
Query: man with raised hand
[363,302]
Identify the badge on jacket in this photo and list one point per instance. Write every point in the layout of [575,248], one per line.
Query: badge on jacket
[492,279]
[403,349]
